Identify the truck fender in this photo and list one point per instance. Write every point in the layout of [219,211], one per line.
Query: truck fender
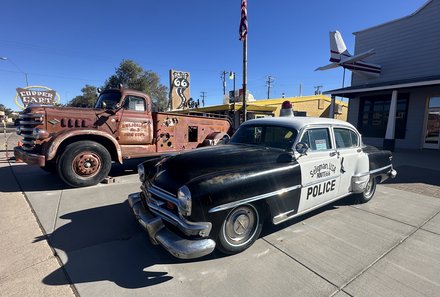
[52,150]
[215,138]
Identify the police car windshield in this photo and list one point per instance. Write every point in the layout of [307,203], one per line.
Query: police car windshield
[108,100]
[265,135]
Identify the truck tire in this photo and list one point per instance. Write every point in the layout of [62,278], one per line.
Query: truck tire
[84,163]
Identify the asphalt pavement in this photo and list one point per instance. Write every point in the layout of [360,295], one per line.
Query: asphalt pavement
[387,247]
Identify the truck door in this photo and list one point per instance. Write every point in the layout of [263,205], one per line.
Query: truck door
[135,122]
[320,168]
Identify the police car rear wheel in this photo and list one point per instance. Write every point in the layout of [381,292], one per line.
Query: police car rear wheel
[369,191]
[240,229]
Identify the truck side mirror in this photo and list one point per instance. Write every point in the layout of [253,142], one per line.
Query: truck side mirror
[116,106]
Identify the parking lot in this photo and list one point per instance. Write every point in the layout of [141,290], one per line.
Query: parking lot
[387,247]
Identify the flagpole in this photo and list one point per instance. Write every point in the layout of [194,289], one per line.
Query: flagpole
[244,77]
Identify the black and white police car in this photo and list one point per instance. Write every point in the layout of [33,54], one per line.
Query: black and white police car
[273,169]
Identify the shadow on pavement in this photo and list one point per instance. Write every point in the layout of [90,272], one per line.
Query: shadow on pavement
[106,244]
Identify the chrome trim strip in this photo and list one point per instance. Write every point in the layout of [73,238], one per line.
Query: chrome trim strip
[275,222]
[252,199]
[162,194]
[30,123]
[373,171]
[27,129]
[321,181]
[281,216]
[31,115]
[162,190]
[25,141]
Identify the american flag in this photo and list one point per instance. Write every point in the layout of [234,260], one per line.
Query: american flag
[243,21]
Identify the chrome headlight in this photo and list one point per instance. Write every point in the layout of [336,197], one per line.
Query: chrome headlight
[141,172]
[185,202]
[38,133]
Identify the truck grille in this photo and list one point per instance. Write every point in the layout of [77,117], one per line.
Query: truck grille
[28,121]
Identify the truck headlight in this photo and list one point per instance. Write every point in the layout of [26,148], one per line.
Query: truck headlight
[141,172]
[185,202]
[38,133]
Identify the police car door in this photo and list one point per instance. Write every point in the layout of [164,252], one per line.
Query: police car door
[353,159]
[320,168]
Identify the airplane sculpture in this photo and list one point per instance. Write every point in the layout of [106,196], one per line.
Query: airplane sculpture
[341,57]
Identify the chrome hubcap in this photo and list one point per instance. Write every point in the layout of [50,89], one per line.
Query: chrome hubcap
[240,225]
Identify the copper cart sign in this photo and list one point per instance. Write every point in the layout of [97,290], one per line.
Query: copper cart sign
[36,95]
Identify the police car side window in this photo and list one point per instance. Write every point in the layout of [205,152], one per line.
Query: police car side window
[345,138]
[317,139]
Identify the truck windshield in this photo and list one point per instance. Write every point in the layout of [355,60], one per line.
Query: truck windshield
[267,136]
[108,100]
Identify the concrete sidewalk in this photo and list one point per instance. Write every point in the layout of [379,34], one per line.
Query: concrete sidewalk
[23,261]
[387,247]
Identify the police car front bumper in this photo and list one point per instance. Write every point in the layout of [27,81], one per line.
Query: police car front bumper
[159,234]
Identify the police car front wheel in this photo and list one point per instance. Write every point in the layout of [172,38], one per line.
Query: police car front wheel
[240,229]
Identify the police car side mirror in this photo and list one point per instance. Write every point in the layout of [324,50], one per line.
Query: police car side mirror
[301,148]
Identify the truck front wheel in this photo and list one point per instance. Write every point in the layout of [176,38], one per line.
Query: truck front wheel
[84,163]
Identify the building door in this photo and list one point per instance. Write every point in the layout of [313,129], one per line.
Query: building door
[432,130]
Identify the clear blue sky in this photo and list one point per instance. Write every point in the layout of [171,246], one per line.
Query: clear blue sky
[67,44]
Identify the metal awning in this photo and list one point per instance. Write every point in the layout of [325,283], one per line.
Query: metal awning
[353,91]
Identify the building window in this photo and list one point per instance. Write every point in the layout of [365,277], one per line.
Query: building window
[373,115]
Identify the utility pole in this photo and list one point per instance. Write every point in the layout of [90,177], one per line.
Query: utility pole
[203,94]
[223,78]
[269,81]
[318,90]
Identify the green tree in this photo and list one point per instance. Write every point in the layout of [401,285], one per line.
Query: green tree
[133,76]
[7,111]
[87,99]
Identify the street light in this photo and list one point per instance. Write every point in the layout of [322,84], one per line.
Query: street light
[18,68]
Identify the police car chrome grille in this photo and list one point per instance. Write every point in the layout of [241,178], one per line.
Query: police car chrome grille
[163,199]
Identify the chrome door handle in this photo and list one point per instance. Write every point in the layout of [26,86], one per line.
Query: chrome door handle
[332,154]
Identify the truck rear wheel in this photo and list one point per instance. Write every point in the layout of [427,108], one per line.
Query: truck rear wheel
[84,163]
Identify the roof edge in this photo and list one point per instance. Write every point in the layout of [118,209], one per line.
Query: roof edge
[360,89]
[395,20]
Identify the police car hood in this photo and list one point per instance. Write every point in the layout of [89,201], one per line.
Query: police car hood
[181,169]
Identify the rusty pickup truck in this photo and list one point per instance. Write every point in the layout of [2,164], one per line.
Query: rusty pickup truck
[80,144]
